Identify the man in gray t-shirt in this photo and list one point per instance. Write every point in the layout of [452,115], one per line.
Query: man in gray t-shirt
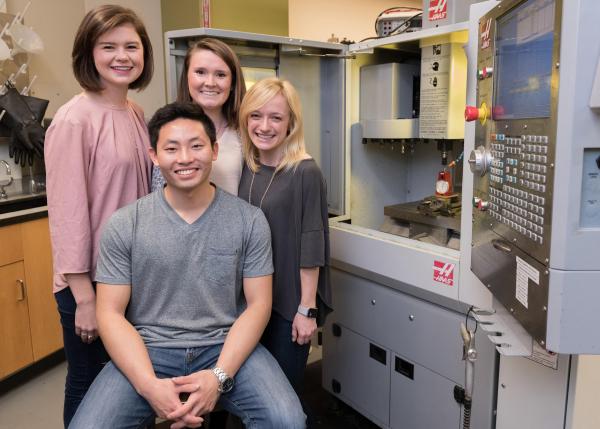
[183,295]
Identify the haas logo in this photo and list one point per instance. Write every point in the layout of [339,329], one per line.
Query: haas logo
[484,32]
[438,9]
[443,272]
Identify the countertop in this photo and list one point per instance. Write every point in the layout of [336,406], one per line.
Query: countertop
[25,215]
[25,200]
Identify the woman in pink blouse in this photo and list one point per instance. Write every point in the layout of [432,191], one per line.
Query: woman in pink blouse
[96,162]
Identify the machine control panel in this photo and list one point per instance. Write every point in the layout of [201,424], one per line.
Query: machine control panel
[514,160]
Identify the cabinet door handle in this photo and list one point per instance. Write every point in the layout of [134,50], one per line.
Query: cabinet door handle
[21,290]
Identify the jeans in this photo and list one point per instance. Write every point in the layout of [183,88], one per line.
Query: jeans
[261,396]
[291,356]
[84,361]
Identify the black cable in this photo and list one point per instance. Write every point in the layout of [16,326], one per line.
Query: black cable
[467,413]
[405,23]
[369,38]
[401,8]
[471,308]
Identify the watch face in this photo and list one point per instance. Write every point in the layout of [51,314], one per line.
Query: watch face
[312,313]
[227,385]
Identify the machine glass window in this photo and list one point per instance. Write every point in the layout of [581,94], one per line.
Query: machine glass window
[254,74]
[524,61]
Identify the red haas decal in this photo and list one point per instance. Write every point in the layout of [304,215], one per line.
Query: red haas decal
[438,9]
[443,272]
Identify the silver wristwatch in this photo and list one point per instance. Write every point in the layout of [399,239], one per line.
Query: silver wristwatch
[307,311]
[225,381]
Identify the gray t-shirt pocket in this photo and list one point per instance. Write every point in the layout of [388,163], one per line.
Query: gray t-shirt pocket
[220,266]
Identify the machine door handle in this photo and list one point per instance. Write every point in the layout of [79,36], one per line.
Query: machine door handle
[502,246]
[20,290]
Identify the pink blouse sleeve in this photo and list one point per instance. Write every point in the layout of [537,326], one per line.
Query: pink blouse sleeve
[67,158]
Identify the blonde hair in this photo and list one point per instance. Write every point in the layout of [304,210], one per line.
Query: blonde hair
[260,94]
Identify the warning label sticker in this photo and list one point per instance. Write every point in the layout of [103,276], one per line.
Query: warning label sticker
[525,272]
[544,357]
[443,272]
[435,84]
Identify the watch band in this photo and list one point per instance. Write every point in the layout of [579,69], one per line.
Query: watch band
[307,311]
[225,381]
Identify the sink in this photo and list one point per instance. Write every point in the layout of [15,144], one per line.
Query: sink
[7,180]
[23,194]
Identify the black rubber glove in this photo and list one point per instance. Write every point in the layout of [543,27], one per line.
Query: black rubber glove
[18,153]
[26,132]
[27,141]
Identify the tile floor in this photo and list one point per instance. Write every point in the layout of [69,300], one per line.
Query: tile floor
[34,399]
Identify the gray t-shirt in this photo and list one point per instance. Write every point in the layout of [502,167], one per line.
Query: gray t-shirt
[186,279]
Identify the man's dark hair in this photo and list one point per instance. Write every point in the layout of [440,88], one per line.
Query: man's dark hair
[180,110]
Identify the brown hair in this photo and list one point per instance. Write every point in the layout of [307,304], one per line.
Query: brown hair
[95,23]
[231,107]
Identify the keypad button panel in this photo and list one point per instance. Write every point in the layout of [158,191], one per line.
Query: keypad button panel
[518,183]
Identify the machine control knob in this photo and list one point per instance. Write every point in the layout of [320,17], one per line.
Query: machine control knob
[480,160]
[485,72]
[483,205]
[473,113]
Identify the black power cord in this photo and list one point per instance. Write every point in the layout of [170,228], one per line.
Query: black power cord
[405,24]
[395,9]
[471,308]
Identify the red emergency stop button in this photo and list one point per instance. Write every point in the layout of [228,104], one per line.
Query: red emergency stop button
[482,113]
[471,113]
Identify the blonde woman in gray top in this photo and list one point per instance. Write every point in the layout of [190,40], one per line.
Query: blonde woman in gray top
[212,78]
[284,181]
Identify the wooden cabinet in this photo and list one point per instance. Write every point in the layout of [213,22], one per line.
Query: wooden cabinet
[44,321]
[15,337]
[29,322]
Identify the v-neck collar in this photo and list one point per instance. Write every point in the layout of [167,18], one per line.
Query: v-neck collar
[176,218]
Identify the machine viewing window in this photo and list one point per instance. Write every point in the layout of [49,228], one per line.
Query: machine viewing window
[524,42]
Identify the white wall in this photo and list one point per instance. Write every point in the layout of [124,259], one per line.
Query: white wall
[353,19]
[154,96]
[56,22]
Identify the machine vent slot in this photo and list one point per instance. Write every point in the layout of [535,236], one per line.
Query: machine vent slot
[377,353]
[405,368]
